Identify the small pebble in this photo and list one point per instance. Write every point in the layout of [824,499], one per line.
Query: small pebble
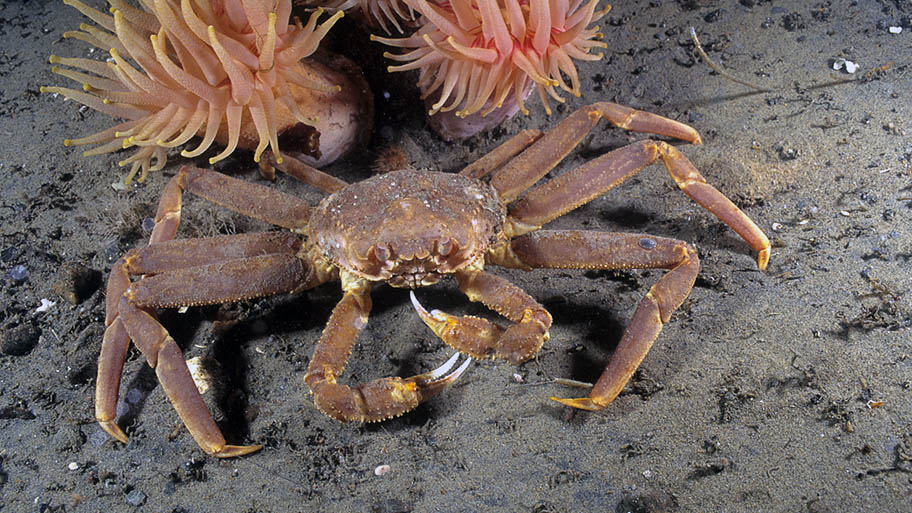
[381,469]
[19,340]
[777,227]
[134,395]
[75,282]
[895,30]
[73,466]
[98,438]
[19,273]
[135,498]
[148,224]
[122,408]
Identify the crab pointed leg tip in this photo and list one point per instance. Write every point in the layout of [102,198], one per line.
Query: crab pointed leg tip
[114,430]
[232,451]
[763,258]
[582,403]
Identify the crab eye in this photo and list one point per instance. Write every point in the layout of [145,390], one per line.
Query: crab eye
[444,248]
[381,253]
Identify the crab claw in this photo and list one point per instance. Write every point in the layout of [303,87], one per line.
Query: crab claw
[469,335]
[433,382]
[383,398]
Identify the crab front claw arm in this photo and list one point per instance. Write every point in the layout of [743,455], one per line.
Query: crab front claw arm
[481,338]
[383,398]
[377,400]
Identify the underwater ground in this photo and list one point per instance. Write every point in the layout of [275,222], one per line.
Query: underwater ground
[785,390]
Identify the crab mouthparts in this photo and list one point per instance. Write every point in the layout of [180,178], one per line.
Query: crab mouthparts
[415,272]
[416,264]
[413,280]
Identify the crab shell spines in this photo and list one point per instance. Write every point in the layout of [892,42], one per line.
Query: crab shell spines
[408,228]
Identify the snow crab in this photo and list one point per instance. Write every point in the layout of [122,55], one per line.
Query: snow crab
[409,229]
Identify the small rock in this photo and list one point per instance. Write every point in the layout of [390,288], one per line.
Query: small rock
[714,16]
[19,273]
[76,282]
[19,340]
[390,506]
[98,438]
[67,439]
[134,395]
[135,498]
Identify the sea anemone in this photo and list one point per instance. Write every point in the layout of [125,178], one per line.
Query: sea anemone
[473,54]
[206,67]
[376,12]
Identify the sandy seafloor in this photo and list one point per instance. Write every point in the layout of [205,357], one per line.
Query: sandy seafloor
[787,390]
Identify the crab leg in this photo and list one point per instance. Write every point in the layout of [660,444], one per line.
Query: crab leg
[250,199]
[599,250]
[301,172]
[377,400]
[527,168]
[501,154]
[481,338]
[165,357]
[164,256]
[219,281]
[568,191]
[229,192]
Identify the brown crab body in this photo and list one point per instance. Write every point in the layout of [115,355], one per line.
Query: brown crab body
[408,228]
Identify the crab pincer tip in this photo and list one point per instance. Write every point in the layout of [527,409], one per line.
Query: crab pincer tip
[582,403]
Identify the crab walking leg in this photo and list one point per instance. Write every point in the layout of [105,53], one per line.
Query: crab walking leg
[254,200]
[301,172]
[501,154]
[184,253]
[535,162]
[599,250]
[568,191]
[481,338]
[111,360]
[116,341]
[165,357]
[157,258]
[214,283]
[377,400]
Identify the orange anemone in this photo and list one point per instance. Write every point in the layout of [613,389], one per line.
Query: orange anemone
[376,12]
[473,54]
[179,68]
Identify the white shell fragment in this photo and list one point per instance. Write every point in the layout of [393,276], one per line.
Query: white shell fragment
[895,30]
[381,469]
[201,378]
[45,305]
[849,66]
